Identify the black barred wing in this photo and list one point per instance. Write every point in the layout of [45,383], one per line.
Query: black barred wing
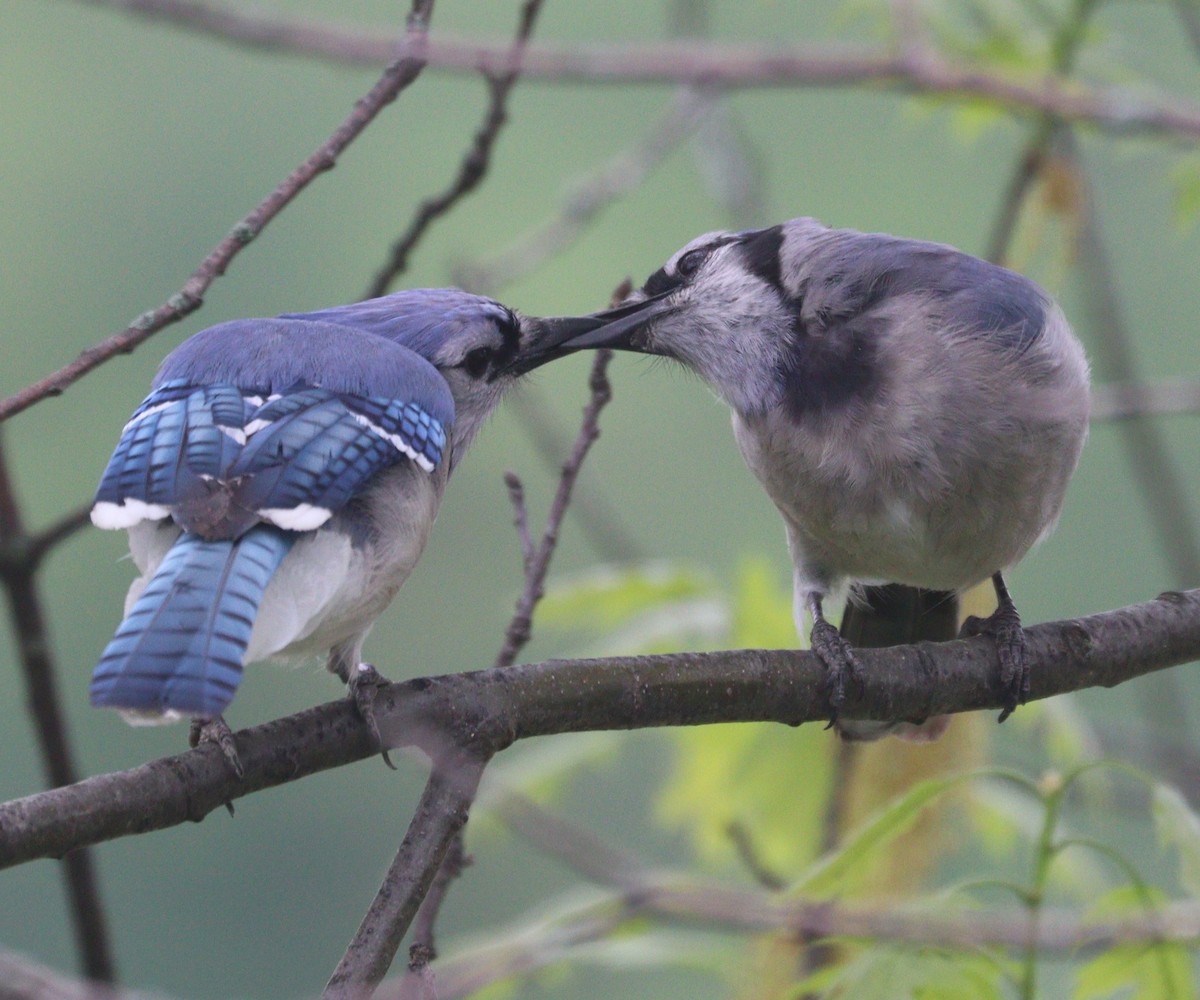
[309,451]
[220,459]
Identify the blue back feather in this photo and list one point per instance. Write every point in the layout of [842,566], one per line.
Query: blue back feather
[422,319]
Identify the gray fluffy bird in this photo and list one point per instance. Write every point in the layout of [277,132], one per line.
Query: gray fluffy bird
[915,413]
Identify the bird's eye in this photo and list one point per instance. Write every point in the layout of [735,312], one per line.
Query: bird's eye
[476,362]
[690,262]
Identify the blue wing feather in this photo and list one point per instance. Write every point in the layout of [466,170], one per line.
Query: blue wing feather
[178,436]
[181,648]
[313,449]
[308,451]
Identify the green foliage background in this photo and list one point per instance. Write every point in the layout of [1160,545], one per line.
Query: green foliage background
[129,149]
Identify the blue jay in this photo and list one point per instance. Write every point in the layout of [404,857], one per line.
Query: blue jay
[915,413]
[280,482]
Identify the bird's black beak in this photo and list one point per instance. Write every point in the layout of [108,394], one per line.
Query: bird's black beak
[615,328]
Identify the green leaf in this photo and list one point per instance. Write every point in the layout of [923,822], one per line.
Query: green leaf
[762,608]
[1179,827]
[889,972]
[1069,736]
[1144,971]
[849,863]
[770,781]
[1185,175]
[606,597]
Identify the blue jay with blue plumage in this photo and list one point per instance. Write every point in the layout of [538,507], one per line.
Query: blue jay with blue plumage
[280,482]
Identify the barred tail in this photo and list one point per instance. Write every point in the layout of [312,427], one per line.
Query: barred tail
[181,647]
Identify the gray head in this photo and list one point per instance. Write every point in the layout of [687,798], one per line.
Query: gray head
[794,313]
[478,345]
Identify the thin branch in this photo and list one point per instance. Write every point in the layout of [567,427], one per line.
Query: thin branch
[589,196]
[45,540]
[1155,469]
[398,75]
[717,906]
[1067,40]
[19,556]
[516,496]
[1127,400]
[713,905]
[726,909]
[721,65]
[490,709]
[575,846]
[517,634]
[437,822]
[748,854]
[474,165]
[1189,17]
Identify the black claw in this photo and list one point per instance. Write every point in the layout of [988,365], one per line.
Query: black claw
[1004,628]
[840,662]
[216,730]
[365,683]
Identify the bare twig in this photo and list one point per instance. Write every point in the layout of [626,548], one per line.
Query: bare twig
[710,904]
[694,902]
[1127,400]
[490,709]
[437,822]
[19,556]
[516,495]
[1189,17]
[747,852]
[575,846]
[1065,45]
[398,75]
[600,188]
[45,540]
[721,65]
[517,634]
[474,165]
[1156,471]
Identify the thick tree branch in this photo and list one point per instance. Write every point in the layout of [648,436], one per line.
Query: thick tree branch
[398,75]
[724,65]
[488,710]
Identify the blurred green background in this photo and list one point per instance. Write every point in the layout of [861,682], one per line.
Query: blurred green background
[130,147]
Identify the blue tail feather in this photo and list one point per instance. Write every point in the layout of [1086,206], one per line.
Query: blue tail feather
[181,646]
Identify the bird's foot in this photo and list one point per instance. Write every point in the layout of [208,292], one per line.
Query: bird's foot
[838,656]
[216,730]
[1004,628]
[365,682]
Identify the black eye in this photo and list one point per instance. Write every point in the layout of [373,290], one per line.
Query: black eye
[476,362]
[690,262]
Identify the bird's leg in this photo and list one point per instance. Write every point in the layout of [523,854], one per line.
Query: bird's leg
[836,653]
[1004,626]
[216,730]
[364,682]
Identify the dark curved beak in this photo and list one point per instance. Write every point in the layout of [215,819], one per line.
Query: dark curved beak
[556,337]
